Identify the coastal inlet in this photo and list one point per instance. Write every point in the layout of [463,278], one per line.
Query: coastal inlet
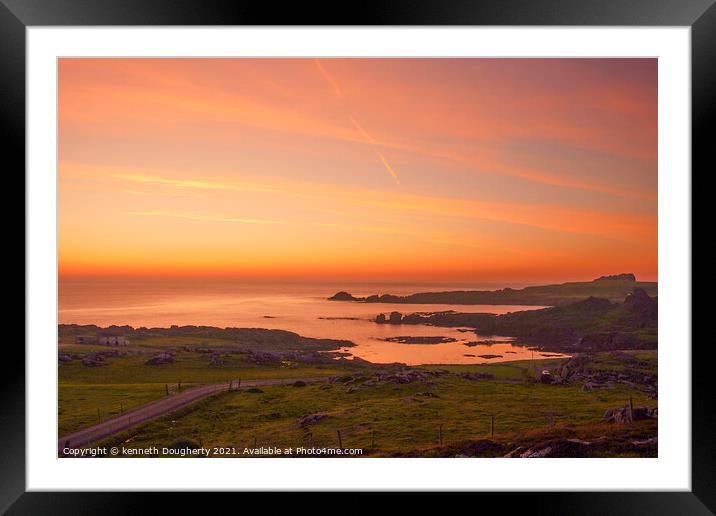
[303,309]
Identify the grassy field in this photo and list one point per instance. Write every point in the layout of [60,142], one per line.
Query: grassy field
[125,382]
[399,416]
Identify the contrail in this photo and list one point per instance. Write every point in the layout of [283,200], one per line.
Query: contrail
[375,144]
[328,78]
[389,168]
[362,131]
[366,136]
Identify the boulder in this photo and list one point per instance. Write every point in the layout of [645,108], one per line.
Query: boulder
[93,360]
[427,394]
[161,358]
[395,318]
[537,454]
[546,377]
[216,360]
[620,415]
[311,419]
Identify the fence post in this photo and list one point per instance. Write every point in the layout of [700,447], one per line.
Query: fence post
[440,435]
[166,388]
[340,441]
[492,425]
[631,410]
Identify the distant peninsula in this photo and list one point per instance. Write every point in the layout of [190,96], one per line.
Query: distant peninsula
[614,288]
[592,324]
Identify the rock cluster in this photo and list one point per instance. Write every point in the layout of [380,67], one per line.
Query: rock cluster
[93,360]
[476,376]
[160,358]
[620,415]
[216,360]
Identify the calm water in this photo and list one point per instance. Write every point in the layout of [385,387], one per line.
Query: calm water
[300,308]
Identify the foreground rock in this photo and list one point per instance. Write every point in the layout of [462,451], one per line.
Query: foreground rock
[311,419]
[161,358]
[93,360]
[604,440]
[622,415]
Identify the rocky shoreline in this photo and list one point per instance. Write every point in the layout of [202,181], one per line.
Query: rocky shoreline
[592,324]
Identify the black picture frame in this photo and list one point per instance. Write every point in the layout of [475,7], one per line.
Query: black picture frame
[700,15]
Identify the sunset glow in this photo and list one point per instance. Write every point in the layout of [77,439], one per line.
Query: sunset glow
[368,169]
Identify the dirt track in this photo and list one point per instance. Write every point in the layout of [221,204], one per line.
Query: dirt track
[157,409]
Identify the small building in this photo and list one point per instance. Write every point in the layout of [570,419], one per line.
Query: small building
[86,339]
[113,340]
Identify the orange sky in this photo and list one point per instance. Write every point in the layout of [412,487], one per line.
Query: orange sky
[367,169]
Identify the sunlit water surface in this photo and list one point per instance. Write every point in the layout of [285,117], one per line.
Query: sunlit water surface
[298,307]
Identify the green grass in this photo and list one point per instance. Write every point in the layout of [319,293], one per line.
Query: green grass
[187,368]
[517,370]
[400,420]
[79,404]
[126,380]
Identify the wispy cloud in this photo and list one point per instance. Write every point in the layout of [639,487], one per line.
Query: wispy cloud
[179,183]
[163,193]
[546,217]
[356,227]
[233,220]
[211,218]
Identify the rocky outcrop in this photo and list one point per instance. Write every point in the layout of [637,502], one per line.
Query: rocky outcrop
[216,360]
[621,415]
[592,324]
[395,318]
[617,277]
[93,360]
[343,296]
[159,359]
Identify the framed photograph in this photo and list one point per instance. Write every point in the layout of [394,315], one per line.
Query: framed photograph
[440,249]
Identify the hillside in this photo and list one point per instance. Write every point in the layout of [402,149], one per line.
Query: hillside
[587,325]
[612,288]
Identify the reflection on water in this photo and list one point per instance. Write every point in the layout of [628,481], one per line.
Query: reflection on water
[300,308]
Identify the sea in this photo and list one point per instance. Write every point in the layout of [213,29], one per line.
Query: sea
[300,307]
